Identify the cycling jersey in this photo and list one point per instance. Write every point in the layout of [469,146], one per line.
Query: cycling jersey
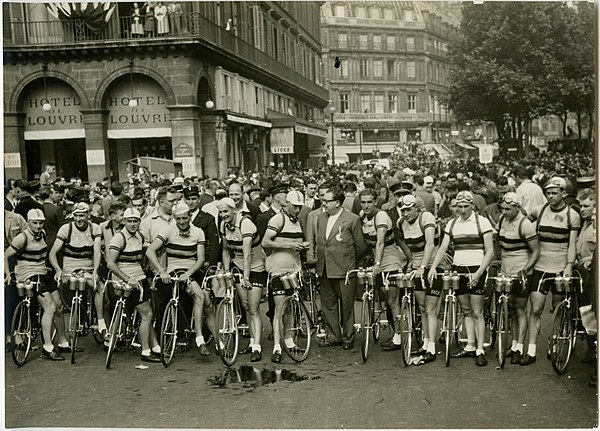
[181,249]
[414,237]
[553,229]
[244,228]
[280,260]
[513,237]
[392,256]
[78,246]
[467,238]
[131,253]
[31,254]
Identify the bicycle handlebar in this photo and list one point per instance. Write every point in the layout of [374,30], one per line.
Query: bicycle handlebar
[366,270]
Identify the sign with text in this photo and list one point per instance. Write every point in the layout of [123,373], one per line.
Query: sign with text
[95,157]
[183,150]
[282,140]
[486,153]
[12,160]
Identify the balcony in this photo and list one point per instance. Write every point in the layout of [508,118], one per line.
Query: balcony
[373,23]
[21,37]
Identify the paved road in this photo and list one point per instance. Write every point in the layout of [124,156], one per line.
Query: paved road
[332,389]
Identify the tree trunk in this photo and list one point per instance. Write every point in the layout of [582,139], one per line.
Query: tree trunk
[579,124]
[564,123]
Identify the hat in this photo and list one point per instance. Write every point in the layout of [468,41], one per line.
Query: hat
[586,182]
[279,188]
[177,180]
[459,176]
[180,208]
[225,202]
[191,191]
[35,214]
[408,201]
[31,186]
[398,188]
[464,196]
[512,198]
[81,207]
[556,182]
[253,188]
[295,198]
[178,187]
[131,213]
[428,180]
[408,171]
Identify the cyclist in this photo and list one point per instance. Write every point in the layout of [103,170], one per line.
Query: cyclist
[519,251]
[378,232]
[557,226]
[81,242]
[125,254]
[471,235]
[418,228]
[30,250]
[241,245]
[284,238]
[184,244]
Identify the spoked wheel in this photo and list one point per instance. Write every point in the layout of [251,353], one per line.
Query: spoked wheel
[562,343]
[448,327]
[502,332]
[74,327]
[295,329]
[228,336]
[417,325]
[20,334]
[376,316]
[243,328]
[406,331]
[491,317]
[113,332]
[168,334]
[66,294]
[366,328]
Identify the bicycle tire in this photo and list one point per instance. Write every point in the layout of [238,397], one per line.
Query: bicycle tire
[561,347]
[113,332]
[365,328]
[502,332]
[375,326]
[227,332]
[406,331]
[20,333]
[576,319]
[168,334]
[295,326]
[66,295]
[449,326]
[243,332]
[73,327]
[417,324]
[490,316]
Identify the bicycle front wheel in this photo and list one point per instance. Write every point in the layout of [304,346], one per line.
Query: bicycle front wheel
[448,326]
[228,336]
[66,294]
[502,332]
[295,329]
[366,328]
[20,334]
[491,317]
[562,345]
[74,327]
[406,330]
[168,337]
[113,332]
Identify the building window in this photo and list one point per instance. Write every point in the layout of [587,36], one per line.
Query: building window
[388,13]
[391,69]
[344,103]
[378,68]
[342,40]
[411,69]
[361,12]
[344,68]
[377,42]
[375,13]
[408,15]
[364,68]
[379,103]
[365,103]
[412,103]
[393,103]
[227,85]
[340,10]
[362,41]
[391,43]
[410,43]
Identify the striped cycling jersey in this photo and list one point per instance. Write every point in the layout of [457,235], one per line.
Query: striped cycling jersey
[131,252]
[181,248]
[554,228]
[31,254]
[287,231]
[467,238]
[414,237]
[78,248]
[244,228]
[513,237]
[371,225]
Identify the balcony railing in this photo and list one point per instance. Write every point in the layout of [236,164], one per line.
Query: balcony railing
[188,25]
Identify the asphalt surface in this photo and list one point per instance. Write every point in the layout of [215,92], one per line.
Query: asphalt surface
[333,388]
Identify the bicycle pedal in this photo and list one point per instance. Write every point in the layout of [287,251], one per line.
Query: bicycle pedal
[243,327]
[135,344]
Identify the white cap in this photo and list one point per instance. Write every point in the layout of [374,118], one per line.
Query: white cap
[556,182]
[295,198]
[408,201]
[225,202]
[81,207]
[428,180]
[35,214]
[178,180]
[180,208]
[131,213]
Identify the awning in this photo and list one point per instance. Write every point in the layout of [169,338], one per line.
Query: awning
[466,146]
[150,132]
[307,130]
[250,121]
[40,135]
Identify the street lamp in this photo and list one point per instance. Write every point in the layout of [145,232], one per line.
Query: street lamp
[331,111]
[209,104]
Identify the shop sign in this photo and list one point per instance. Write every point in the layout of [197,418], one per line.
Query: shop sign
[183,150]
[95,157]
[486,153]
[12,160]
[282,140]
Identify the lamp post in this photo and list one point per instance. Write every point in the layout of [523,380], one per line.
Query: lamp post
[331,111]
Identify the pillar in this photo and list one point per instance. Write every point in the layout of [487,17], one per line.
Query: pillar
[15,162]
[214,145]
[185,139]
[96,144]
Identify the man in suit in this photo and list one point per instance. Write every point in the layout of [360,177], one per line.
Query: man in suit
[204,221]
[209,192]
[54,216]
[241,206]
[25,190]
[339,245]
[312,200]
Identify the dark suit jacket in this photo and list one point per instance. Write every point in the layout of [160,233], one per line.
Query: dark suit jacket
[262,221]
[25,204]
[206,222]
[393,213]
[204,199]
[253,212]
[338,253]
[54,220]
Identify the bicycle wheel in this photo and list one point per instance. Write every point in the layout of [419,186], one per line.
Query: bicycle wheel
[376,316]
[228,336]
[417,324]
[295,329]
[168,334]
[243,329]
[113,332]
[74,327]
[502,332]
[366,328]
[66,295]
[20,334]
[406,330]
[562,345]
[490,315]
[448,326]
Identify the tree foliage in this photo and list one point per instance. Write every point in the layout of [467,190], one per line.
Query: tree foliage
[516,61]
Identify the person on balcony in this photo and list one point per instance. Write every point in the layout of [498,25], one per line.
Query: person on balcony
[175,12]
[162,21]
[150,21]
[137,29]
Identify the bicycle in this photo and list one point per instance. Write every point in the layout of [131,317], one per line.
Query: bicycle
[309,291]
[369,317]
[168,328]
[121,326]
[490,311]
[566,319]
[407,314]
[450,324]
[26,321]
[228,315]
[81,325]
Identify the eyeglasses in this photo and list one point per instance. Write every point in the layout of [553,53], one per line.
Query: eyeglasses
[328,201]
[366,202]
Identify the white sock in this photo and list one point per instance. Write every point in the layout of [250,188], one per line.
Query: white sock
[251,341]
[531,350]
[156,349]
[289,343]
[48,347]
[146,352]
[425,343]
[519,348]
[514,346]
[469,348]
[199,340]
[431,347]
[479,352]
[101,324]
[64,344]
[277,348]
[397,339]
[256,348]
